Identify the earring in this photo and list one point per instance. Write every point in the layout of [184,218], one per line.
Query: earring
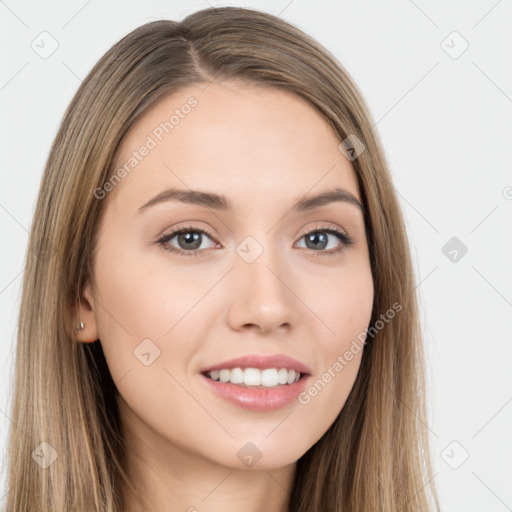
[80,326]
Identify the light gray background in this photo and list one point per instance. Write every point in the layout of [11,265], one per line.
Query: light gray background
[446,123]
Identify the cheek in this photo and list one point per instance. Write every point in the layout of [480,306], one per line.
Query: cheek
[129,312]
[344,306]
[151,317]
[351,312]
[342,298]
[147,337]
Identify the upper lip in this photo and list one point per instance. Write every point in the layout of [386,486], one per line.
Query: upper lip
[261,362]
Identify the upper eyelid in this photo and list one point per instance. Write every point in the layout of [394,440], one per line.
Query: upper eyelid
[184,228]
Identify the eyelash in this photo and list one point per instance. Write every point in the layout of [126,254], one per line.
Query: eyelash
[162,241]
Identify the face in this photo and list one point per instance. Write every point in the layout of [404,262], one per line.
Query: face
[260,278]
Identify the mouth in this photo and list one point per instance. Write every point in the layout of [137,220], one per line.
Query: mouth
[258,382]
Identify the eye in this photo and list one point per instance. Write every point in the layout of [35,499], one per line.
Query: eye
[190,239]
[318,239]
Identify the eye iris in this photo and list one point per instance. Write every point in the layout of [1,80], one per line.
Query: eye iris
[187,238]
[314,239]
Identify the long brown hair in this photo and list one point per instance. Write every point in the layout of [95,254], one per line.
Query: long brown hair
[375,456]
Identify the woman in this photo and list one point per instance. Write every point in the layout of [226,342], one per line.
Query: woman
[280,367]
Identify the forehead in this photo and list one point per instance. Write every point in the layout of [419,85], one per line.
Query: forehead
[236,139]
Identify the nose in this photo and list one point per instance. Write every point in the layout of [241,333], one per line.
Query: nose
[262,298]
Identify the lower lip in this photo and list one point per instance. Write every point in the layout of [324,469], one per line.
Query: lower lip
[257,399]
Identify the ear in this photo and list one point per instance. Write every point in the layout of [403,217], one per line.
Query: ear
[86,314]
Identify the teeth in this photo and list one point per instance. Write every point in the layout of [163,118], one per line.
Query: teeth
[268,378]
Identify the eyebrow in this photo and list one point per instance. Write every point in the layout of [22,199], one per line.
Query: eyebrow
[223,203]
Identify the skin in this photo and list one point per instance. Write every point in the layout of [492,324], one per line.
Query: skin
[264,149]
